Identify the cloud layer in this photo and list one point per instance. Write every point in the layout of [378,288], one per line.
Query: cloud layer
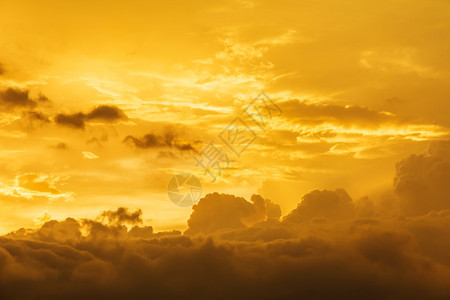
[326,248]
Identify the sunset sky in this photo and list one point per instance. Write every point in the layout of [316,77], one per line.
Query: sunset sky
[360,84]
[103,102]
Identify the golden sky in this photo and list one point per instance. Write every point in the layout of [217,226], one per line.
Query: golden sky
[102,102]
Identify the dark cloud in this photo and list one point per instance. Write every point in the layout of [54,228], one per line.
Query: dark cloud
[43,99]
[71,120]
[106,113]
[37,116]
[217,212]
[329,205]
[422,182]
[147,141]
[364,261]
[122,216]
[13,98]
[78,120]
[239,249]
[151,140]
[439,149]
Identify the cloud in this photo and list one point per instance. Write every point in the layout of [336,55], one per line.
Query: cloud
[2,69]
[90,260]
[218,212]
[105,113]
[312,113]
[327,247]
[37,116]
[152,140]
[32,120]
[34,185]
[422,181]
[89,155]
[13,98]
[71,120]
[329,205]
[122,216]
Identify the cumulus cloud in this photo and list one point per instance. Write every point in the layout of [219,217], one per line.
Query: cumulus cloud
[218,212]
[422,182]
[329,205]
[234,248]
[90,259]
[106,113]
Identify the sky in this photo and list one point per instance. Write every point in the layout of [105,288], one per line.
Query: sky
[102,103]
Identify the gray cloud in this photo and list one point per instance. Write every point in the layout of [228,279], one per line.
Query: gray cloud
[105,113]
[13,98]
[152,140]
[238,249]
[363,260]
[218,212]
[122,216]
[329,205]
[422,182]
[71,120]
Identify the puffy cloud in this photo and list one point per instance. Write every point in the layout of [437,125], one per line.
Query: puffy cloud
[220,212]
[237,249]
[37,116]
[54,231]
[106,113]
[329,205]
[422,182]
[439,149]
[13,98]
[122,216]
[369,260]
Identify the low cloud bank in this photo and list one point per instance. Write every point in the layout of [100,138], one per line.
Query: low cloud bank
[329,247]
